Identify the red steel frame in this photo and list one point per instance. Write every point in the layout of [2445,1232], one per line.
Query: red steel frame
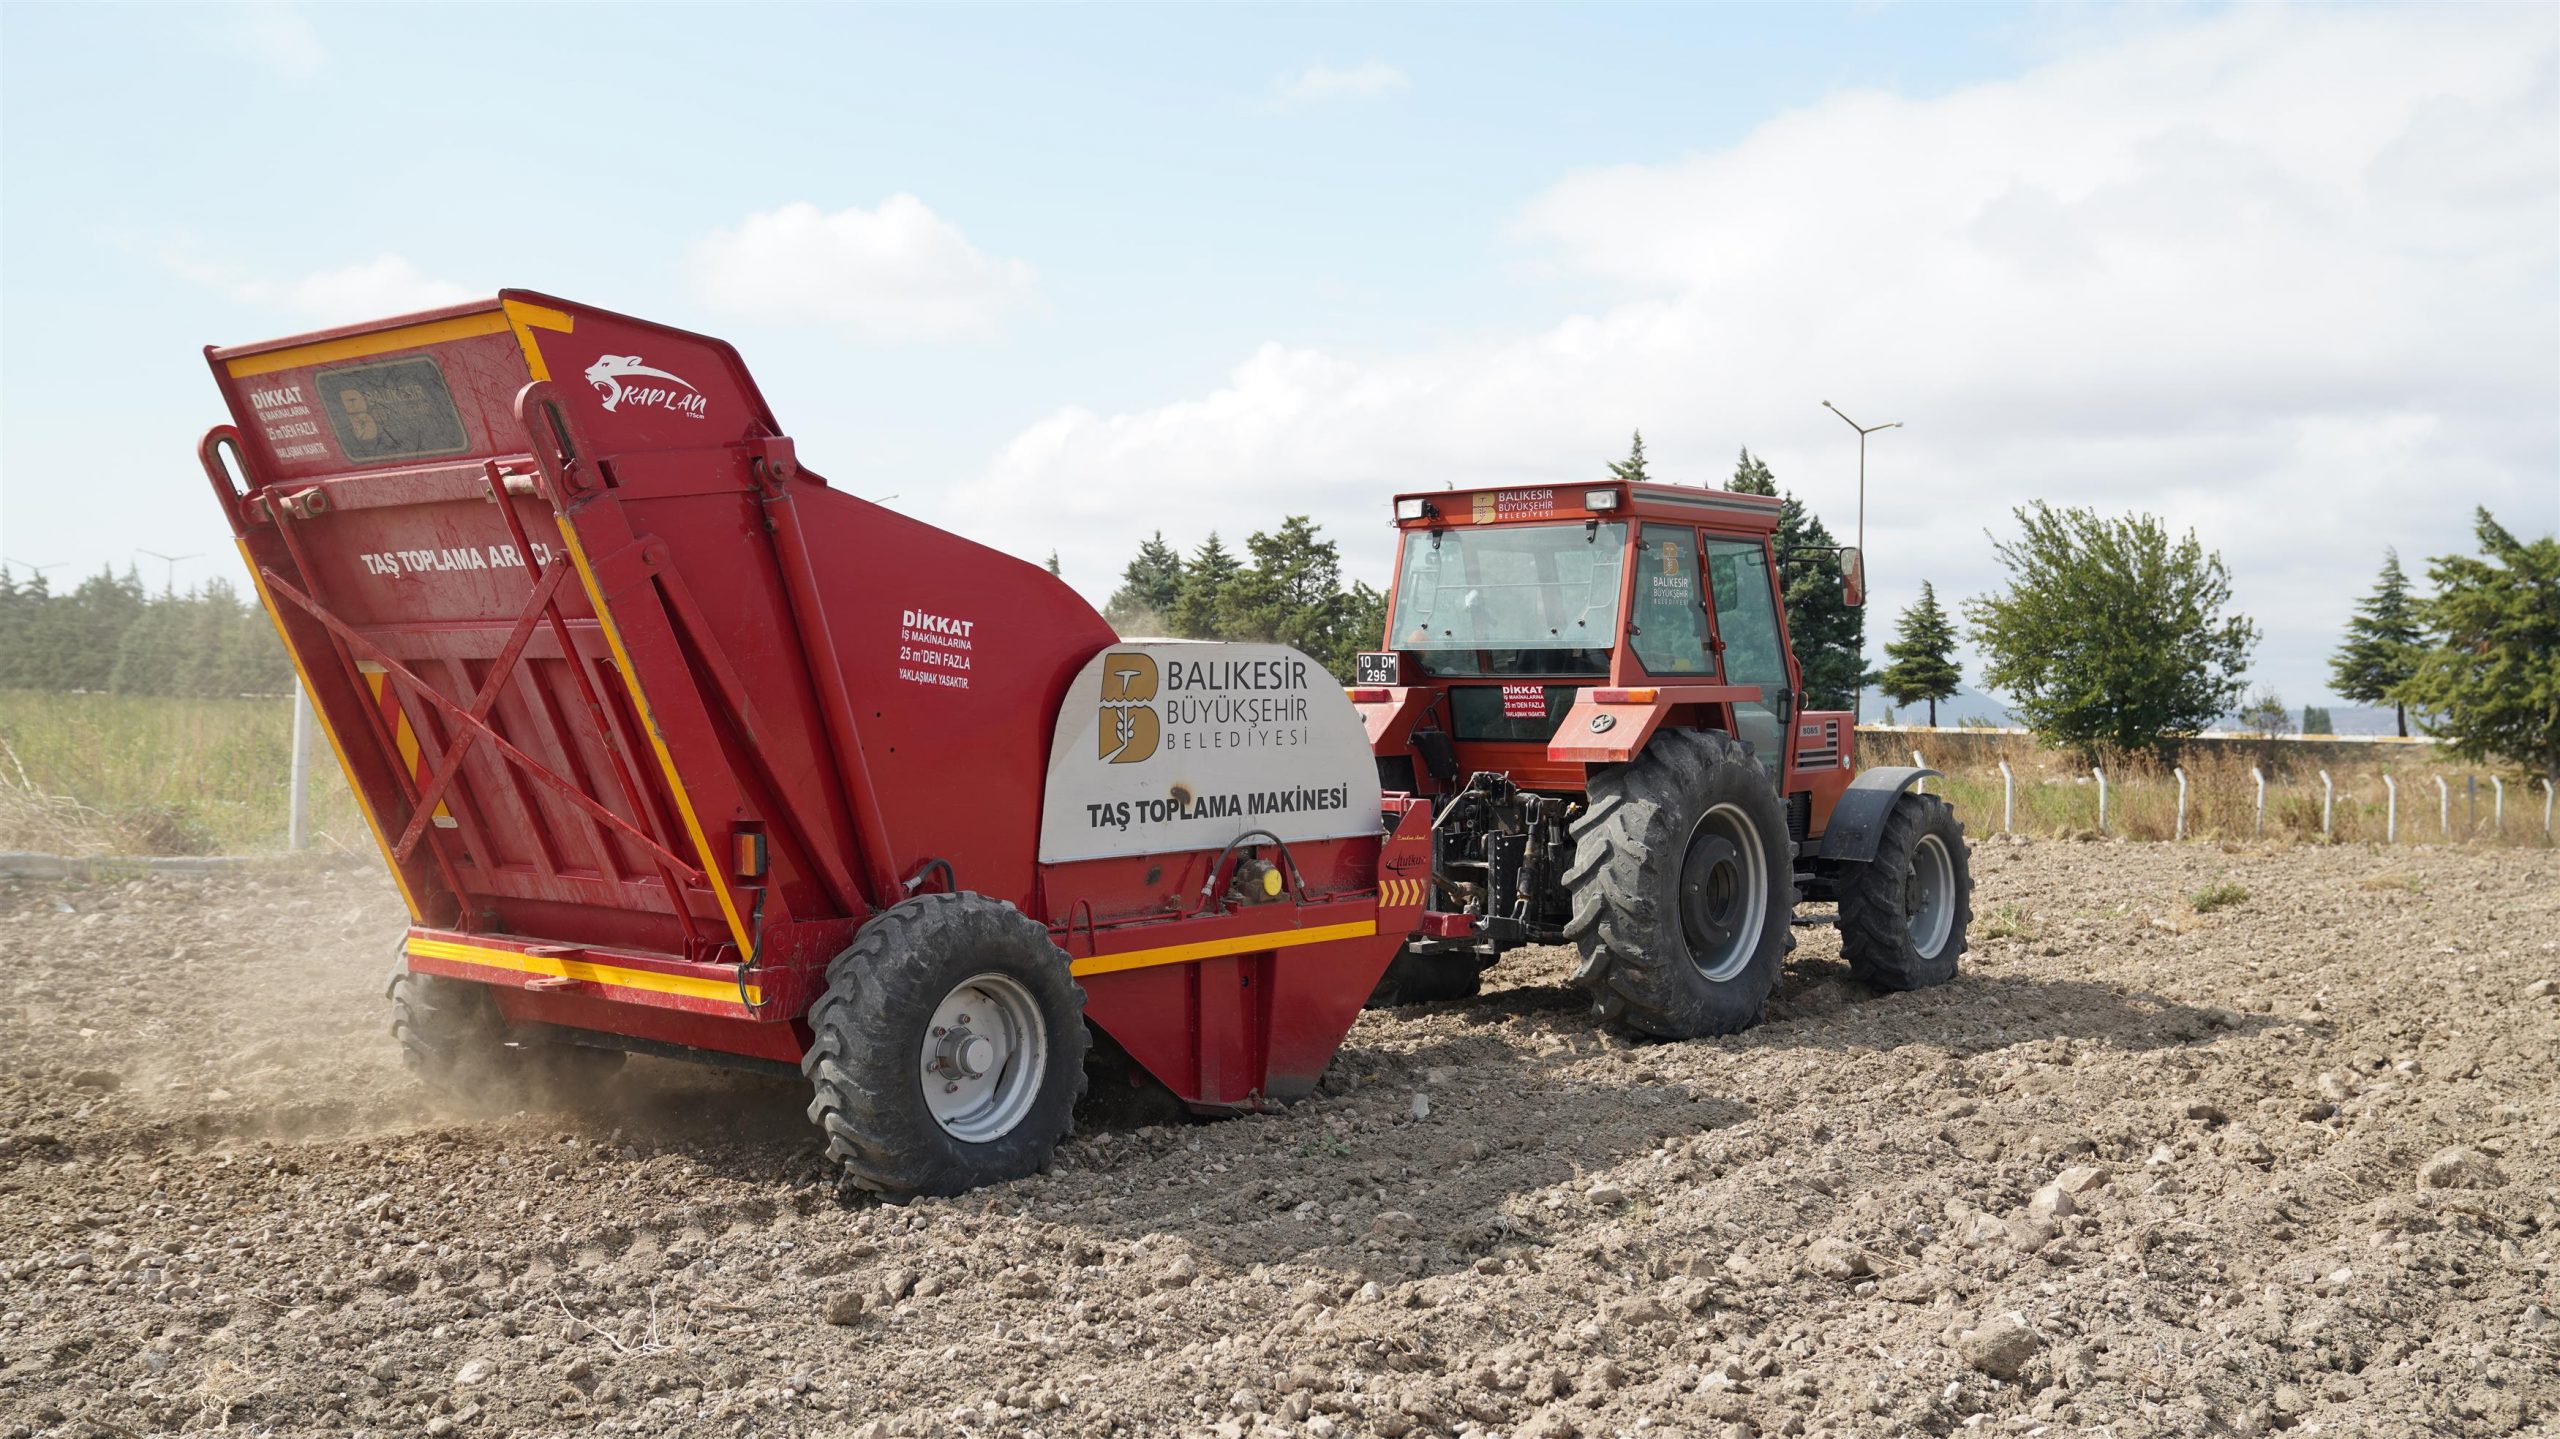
[665,763]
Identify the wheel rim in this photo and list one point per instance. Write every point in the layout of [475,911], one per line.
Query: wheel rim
[984,1055]
[1929,896]
[1724,892]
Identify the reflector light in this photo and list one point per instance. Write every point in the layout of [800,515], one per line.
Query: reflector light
[1366,695]
[1624,697]
[748,848]
[1410,509]
[1599,499]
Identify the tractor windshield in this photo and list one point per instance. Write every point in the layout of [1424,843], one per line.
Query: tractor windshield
[1510,599]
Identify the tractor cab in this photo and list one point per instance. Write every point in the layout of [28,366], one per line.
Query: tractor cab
[1512,607]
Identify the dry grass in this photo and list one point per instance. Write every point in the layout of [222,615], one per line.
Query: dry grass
[91,774]
[2056,796]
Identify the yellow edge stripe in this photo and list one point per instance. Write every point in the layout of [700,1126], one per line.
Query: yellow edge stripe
[649,722]
[686,985]
[528,318]
[364,808]
[407,337]
[1212,948]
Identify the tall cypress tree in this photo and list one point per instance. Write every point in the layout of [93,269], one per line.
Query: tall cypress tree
[1923,651]
[1631,468]
[2382,645]
[1829,633]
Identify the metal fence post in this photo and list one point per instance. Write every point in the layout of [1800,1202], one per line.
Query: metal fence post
[2102,798]
[2255,773]
[297,831]
[2500,787]
[2391,816]
[2546,811]
[2470,805]
[2328,803]
[2444,809]
[2008,800]
[2181,773]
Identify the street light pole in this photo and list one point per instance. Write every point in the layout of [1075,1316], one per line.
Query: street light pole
[1858,697]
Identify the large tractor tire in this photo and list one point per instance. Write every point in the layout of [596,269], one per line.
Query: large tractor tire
[1428,979]
[1903,915]
[452,1036]
[948,1049]
[1683,888]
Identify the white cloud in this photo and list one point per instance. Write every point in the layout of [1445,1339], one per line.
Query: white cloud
[2291,277]
[386,285]
[1328,82]
[900,274]
[279,36]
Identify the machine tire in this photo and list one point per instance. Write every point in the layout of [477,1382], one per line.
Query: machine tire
[869,1033]
[1647,831]
[1427,979]
[452,1037]
[1884,902]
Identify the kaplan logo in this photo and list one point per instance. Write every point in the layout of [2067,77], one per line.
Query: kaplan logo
[676,396]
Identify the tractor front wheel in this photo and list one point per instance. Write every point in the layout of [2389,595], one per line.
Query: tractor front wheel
[1683,888]
[948,1049]
[1903,914]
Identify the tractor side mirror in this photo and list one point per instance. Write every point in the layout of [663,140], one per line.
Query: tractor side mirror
[1853,576]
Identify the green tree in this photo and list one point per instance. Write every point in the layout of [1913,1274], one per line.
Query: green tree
[1923,651]
[1829,634]
[1052,565]
[2110,634]
[1364,623]
[1150,586]
[1292,594]
[2382,644]
[1631,469]
[2266,714]
[2488,681]
[1204,582]
[2315,720]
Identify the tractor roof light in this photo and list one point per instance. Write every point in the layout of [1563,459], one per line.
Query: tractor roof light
[1599,499]
[1413,509]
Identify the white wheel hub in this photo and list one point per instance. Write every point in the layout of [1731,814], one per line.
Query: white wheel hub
[984,1057]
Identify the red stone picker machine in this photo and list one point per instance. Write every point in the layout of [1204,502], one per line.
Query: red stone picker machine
[674,749]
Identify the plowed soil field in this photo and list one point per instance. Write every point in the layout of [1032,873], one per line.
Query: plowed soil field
[2292,1162]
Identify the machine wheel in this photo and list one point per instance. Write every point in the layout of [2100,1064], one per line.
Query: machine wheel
[1903,914]
[1683,888]
[948,1049]
[1427,978]
[452,1037]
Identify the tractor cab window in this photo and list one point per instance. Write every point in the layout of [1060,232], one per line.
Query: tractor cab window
[1670,612]
[1510,599]
[1754,653]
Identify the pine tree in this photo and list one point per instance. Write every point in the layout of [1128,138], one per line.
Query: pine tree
[1631,469]
[1052,565]
[1204,582]
[2315,720]
[1923,654]
[1149,588]
[2488,680]
[1829,633]
[2382,644]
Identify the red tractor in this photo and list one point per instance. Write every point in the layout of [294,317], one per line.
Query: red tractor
[1593,688]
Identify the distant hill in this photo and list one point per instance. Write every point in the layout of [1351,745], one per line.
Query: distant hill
[1967,705]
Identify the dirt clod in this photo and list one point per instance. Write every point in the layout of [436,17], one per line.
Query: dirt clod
[1999,1348]
[2459,1168]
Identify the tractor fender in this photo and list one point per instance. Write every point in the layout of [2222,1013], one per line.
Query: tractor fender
[1857,822]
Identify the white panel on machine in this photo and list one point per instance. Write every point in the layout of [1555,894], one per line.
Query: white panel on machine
[1166,745]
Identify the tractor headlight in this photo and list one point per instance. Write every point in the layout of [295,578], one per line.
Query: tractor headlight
[1410,509]
[1599,499]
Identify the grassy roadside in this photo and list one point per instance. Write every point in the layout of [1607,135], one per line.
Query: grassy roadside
[90,774]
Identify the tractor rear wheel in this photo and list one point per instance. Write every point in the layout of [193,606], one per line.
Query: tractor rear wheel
[1903,914]
[1413,978]
[452,1036]
[1683,888]
[948,1049]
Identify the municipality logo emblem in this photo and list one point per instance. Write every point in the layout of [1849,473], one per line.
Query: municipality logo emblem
[1130,728]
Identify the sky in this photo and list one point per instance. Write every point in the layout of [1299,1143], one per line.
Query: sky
[1058,277]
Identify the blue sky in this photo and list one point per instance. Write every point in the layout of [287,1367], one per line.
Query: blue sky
[1057,276]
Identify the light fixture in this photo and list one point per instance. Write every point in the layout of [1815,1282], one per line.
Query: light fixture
[1411,509]
[1599,499]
